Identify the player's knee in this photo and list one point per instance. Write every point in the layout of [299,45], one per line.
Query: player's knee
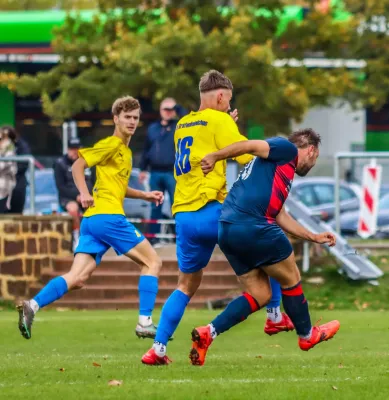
[262,296]
[189,283]
[154,266]
[72,208]
[77,280]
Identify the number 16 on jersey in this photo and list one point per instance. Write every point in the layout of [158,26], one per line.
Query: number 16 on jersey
[182,162]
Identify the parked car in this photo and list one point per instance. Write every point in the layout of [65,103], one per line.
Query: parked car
[318,194]
[46,196]
[349,221]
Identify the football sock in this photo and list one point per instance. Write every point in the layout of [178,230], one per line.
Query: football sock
[148,289]
[273,308]
[34,305]
[274,314]
[145,320]
[296,306]
[54,290]
[236,311]
[213,331]
[160,349]
[171,315]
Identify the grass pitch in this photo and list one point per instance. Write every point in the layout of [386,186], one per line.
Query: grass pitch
[73,355]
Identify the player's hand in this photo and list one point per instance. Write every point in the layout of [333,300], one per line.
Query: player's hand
[326,238]
[78,199]
[234,115]
[155,197]
[142,176]
[86,200]
[208,164]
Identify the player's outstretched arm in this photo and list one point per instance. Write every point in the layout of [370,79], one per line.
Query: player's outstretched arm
[259,148]
[154,196]
[291,226]
[78,171]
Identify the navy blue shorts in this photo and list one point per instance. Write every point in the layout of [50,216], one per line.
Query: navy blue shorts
[248,247]
[197,236]
[100,232]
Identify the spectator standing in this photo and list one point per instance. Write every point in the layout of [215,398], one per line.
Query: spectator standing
[69,197]
[22,148]
[159,155]
[8,170]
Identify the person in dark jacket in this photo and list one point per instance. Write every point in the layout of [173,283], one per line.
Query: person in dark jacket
[159,155]
[22,148]
[69,197]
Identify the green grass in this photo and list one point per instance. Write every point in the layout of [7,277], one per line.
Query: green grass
[355,362]
[336,292]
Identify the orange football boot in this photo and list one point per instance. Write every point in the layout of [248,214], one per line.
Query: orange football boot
[285,325]
[319,334]
[151,358]
[202,339]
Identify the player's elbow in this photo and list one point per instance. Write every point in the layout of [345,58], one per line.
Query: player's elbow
[79,165]
[260,148]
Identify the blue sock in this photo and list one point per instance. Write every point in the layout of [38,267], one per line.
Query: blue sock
[54,290]
[148,289]
[296,306]
[171,315]
[276,294]
[236,311]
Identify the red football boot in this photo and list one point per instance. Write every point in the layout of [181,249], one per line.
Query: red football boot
[285,325]
[319,334]
[151,358]
[202,339]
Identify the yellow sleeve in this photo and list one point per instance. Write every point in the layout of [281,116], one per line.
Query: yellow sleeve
[100,152]
[228,133]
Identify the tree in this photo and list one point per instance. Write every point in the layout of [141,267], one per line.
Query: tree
[155,52]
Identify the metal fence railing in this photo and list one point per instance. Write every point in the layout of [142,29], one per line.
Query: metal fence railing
[31,170]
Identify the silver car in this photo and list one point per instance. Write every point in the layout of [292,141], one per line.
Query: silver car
[318,193]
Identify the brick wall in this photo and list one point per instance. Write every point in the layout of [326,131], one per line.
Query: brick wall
[28,244]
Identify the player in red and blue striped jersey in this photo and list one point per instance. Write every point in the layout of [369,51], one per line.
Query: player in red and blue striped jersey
[251,235]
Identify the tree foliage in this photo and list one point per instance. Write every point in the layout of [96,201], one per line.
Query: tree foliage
[157,52]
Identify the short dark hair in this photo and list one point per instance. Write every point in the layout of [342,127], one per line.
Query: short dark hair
[304,138]
[126,103]
[213,80]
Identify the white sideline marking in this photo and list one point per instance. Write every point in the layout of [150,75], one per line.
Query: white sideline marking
[194,381]
[254,380]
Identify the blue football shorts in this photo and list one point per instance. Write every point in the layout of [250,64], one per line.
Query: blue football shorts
[100,232]
[197,233]
[248,247]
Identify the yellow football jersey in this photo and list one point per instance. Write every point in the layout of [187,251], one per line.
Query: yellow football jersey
[113,160]
[198,134]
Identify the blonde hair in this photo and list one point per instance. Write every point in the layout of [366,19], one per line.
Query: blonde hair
[126,103]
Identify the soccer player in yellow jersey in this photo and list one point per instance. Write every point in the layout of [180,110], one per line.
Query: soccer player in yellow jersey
[197,199]
[104,224]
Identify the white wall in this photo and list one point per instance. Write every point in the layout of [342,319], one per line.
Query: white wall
[339,127]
